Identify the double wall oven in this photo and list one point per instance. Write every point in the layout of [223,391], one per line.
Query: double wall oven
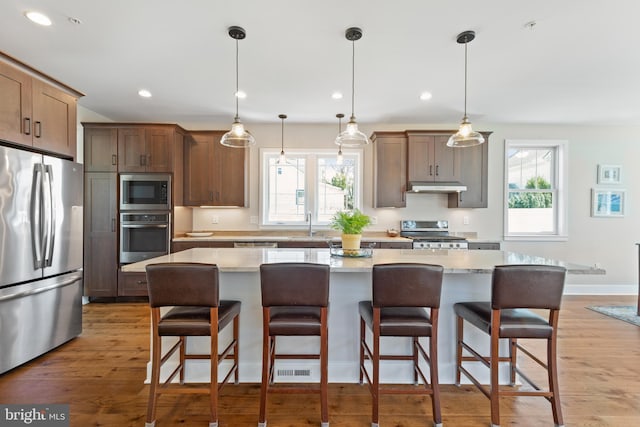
[145,216]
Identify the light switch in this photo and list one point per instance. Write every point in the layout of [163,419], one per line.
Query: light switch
[215,219]
[465,220]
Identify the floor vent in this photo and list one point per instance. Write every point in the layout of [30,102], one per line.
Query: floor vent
[293,372]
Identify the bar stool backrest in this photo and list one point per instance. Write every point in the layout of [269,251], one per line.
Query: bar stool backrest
[407,285]
[183,284]
[294,283]
[527,286]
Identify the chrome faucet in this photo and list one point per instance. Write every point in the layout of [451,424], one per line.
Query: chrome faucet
[309,219]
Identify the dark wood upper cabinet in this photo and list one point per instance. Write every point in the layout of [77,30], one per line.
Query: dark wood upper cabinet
[429,158]
[390,166]
[474,172]
[100,149]
[35,113]
[214,175]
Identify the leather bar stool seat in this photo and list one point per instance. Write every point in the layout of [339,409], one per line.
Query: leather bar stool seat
[406,302]
[192,292]
[515,289]
[295,301]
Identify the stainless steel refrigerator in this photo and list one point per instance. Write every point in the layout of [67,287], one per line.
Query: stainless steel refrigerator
[40,254]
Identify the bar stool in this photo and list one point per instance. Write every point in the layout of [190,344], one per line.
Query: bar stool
[295,299]
[515,289]
[192,290]
[401,292]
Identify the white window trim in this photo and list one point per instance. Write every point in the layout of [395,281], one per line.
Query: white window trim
[310,177]
[562,176]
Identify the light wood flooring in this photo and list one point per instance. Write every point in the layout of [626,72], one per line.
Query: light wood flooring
[101,373]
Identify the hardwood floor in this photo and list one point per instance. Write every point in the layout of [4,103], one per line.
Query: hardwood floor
[101,373]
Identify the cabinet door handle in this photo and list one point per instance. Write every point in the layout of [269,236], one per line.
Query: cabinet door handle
[143,160]
[430,170]
[211,195]
[149,160]
[27,126]
[113,225]
[460,196]
[38,130]
[114,160]
[437,170]
[403,190]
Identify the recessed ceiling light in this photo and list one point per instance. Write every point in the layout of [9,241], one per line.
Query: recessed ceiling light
[336,95]
[241,95]
[38,18]
[144,93]
[425,96]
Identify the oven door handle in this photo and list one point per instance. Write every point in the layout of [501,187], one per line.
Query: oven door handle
[144,225]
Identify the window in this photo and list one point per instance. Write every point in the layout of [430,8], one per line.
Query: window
[536,190]
[309,181]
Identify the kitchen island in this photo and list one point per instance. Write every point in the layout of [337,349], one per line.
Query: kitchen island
[467,277]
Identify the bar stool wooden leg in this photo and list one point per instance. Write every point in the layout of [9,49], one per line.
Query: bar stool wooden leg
[155,371]
[236,349]
[552,371]
[266,368]
[362,342]
[433,367]
[375,387]
[459,339]
[213,384]
[513,358]
[414,346]
[495,358]
[324,368]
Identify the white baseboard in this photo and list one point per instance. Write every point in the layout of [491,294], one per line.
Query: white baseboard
[599,289]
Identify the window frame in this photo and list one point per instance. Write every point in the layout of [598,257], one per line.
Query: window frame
[559,189]
[311,179]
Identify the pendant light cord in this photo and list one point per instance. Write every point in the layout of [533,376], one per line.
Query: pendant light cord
[465,78]
[353,76]
[237,87]
[282,136]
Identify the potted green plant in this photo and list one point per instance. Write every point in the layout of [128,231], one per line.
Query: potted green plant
[350,223]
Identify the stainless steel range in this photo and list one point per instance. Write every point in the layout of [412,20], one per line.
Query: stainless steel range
[431,235]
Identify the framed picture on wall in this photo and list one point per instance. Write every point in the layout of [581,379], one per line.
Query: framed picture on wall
[607,203]
[609,174]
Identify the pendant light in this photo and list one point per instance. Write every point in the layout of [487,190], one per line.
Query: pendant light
[465,137]
[352,137]
[339,159]
[238,136]
[282,160]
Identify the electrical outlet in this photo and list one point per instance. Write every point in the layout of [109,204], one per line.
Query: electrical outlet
[253,219]
[374,220]
[465,220]
[215,219]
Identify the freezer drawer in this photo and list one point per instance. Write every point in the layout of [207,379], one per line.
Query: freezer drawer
[38,316]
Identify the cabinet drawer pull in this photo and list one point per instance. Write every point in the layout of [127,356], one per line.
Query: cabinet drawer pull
[27,126]
[114,160]
[141,282]
[38,130]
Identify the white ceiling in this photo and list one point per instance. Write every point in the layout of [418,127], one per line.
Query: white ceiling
[578,64]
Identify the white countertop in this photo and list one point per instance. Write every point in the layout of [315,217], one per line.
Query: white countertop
[249,259]
[282,238]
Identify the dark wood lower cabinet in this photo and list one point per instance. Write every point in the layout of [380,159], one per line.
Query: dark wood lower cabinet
[132,284]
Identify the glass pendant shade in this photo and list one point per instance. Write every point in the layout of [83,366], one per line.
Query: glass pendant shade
[238,136]
[351,137]
[465,137]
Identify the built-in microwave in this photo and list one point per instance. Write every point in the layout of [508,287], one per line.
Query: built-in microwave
[148,192]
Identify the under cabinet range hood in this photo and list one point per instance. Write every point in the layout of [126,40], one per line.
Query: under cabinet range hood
[435,187]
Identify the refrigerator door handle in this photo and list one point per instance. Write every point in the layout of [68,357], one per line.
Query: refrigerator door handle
[36,216]
[50,213]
